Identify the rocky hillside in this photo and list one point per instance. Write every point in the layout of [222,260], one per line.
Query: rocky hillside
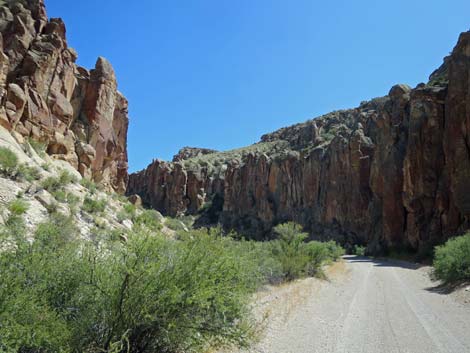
[392,173]
[79,115]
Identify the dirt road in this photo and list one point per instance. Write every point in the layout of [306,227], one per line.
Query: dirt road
[367,306]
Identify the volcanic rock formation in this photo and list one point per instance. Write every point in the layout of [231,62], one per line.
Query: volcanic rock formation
[392,173]
[44,96]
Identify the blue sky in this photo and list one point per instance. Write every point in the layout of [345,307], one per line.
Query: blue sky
[220,73]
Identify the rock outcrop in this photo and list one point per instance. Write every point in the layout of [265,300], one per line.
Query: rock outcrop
[191,152]
[78,114]
[392,173]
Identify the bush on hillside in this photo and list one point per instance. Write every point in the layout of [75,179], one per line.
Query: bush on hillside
[38,146]
[90,185]
[18,207]
[452,260]
[149,219]
[8,161]
[51,184]
[175,224]
[28,173]
[93,206]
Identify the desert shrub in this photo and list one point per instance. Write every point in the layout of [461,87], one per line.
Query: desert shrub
[72,200]
[93,206]
[335,251]
[60,195]
[262,254]
[122,216]
[66,178]
[90,185]
[175,224]
[359,250]
[13,228]
[38,146]
[51,184]
[145,295]
[28,173]
[452,260]
[299,258]
[54,184]
[149,219]
[8,161]
[128,212]
[66,197]
[18,207]
[290,250]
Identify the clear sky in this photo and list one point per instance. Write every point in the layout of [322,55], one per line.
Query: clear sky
[220,73]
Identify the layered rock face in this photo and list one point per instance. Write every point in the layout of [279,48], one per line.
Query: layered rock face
[78,114]
[392,173]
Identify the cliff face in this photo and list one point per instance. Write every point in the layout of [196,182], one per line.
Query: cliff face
[392,173]
[78,114]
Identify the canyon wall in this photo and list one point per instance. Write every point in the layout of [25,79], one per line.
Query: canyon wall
[392,173]
[78,115]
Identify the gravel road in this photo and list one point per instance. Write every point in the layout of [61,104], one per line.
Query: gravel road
[367,306]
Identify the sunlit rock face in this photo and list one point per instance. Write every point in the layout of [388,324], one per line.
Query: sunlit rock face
[78,114]
[392,173]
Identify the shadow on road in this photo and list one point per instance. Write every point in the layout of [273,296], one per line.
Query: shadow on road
[383,262]
[447,288]
[439,288]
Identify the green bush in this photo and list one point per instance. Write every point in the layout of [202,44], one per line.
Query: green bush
[146,295]
[299,258]
[38,146]
[175,224]
[66,178]
[60,195]
[93,206]
[18,207]
[8,161]
[51,184]
[149,219]
[28,173]
[90,185]
[55,185]
[263,255]
[142,292]
[72,200]
[14,228]
[359,250]
[335,251]
[452,260]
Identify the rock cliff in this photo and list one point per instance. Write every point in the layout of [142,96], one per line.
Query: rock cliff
[79,115]
[392,173]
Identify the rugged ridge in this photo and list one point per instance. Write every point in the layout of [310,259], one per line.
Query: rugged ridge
[78,114]
[392,173]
